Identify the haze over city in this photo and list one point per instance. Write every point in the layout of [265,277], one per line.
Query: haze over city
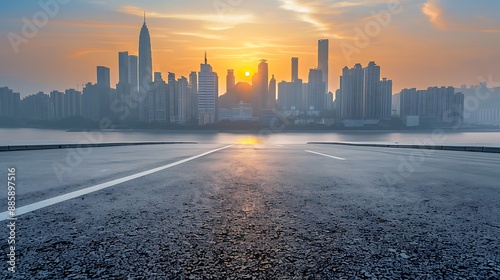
[425,43]
[239,139]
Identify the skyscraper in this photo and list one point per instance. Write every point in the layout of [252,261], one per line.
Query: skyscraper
[351,91]
[158,101]
[208,91]
[57,109]
[272,93]
[36,107]
[10,103]
[103,77]
[123,66]
[72,103]
[145,68]
[295,68]
[323,51]
[173,98]
[98,95]
[129,94]
[371,91]
[145,58]
[363,95]
[133,78]
[316,91]
[123,86]
[193,88]
[260,87]
[183,100]
[385,99]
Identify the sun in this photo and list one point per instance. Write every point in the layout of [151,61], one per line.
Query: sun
[247,74]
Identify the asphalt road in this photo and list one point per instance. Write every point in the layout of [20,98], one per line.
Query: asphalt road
[254,212]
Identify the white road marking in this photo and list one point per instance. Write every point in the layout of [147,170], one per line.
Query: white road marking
[325,155]
[51,201]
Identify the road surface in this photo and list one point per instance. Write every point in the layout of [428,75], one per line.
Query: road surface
[254,212]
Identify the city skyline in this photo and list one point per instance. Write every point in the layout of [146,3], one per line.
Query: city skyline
[460,47]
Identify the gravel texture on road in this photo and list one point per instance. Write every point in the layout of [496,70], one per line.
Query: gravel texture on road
[252,215]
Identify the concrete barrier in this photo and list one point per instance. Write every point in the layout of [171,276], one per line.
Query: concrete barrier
[491,149]
[428,147]
[405,146]
[85,145]
[48,147]
[454,148]
[17,148]
[474,149]
[34,147]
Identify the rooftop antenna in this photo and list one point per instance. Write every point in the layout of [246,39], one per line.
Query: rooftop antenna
[206,61]
[144,16]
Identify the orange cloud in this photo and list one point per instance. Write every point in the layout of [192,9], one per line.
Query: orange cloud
[435,13]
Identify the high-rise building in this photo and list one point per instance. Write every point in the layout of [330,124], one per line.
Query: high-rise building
[295,68]
[133,78]
[57,109]
[193,89]
[72,103]
[272,93]
[36,107]
[434,106]
[208,91]
[351,90]
[123,68]
[183,101]
[290,96]
[173,98]
[123,86]
[323,54]
[133,99]
[10,103]
[329,101]
[260,88]
[316,91]
[371,91]
[101,93]
[230,80]
[385,96]
[96,101]
[362,95]
[145,69]
[103,77]
[158,100]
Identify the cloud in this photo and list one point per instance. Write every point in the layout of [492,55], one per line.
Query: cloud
[202,35]
[461,15]
[433,11]
[326,16]
[211,18]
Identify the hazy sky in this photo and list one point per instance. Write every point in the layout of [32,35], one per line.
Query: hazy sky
[423,43]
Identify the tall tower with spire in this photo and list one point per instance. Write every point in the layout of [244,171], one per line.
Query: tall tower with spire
[145,65]
[208,92]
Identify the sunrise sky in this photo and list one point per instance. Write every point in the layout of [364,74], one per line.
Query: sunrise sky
[426,43]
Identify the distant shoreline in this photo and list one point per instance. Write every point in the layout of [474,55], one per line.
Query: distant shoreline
[257,130]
